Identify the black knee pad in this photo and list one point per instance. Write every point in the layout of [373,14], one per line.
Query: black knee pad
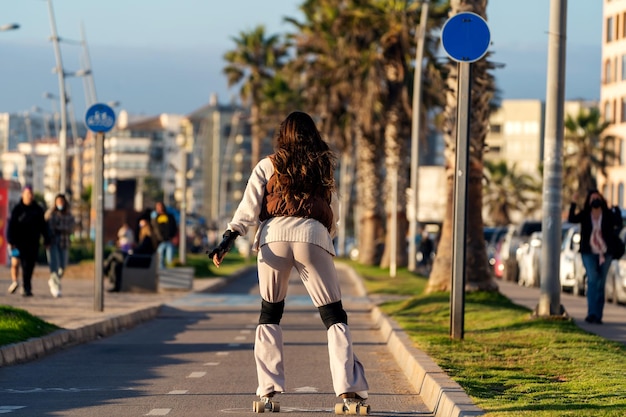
[271,313]
[333,313]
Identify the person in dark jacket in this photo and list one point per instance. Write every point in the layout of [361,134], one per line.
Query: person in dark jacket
[598,227]
[27,226]
[165,229]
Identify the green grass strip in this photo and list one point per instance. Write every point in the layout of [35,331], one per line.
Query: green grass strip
[17,325]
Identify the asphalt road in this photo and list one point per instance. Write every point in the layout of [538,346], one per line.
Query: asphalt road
[195,359]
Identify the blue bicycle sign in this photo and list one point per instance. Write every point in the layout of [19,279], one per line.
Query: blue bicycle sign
[100,118]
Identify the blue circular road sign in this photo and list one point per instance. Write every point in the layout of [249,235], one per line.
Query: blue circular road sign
[100,118]
[465,37]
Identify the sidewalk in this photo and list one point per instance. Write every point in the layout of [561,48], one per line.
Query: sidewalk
[614,327]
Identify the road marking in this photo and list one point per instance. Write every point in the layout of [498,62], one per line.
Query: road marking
[222,353]
[240,337]
[306,389]
[159,412]
[211,364]
[178,392]
[5,409]
[196,375]
[245,331]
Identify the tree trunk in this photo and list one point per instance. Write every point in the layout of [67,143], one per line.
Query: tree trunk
[368,198]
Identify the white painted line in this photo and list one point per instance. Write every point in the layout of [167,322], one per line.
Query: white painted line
[245,331]
[240,338]
[196,375]
[223,353]
[5,409]
[159,412]
[211,364]
[178,392]
[306,389]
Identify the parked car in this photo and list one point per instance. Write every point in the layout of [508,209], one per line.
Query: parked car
[528,261]
[615,289]
[493,241]
[530,254]
[573,277]
[515,237]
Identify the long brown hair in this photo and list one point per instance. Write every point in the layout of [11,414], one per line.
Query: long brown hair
[304,164]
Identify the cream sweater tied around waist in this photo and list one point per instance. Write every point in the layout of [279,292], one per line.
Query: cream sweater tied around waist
[279,229]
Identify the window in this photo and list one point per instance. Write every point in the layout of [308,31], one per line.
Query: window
[609,29]
[607,71]
[624,66]
[496,129]
[622,118]
[607,111]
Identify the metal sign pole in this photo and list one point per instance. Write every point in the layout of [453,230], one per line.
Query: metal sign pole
[457,294]
[465,37]
[98,182]
[99,118]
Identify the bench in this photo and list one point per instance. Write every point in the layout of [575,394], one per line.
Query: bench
[179,278]
[139,274]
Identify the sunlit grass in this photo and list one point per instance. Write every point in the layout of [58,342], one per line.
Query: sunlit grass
[17,325]
[509,363]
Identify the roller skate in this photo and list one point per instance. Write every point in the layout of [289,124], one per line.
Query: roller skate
[352,404]
[267,403]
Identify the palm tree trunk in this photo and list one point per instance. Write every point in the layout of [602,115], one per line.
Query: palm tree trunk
[255,153]
[368,197]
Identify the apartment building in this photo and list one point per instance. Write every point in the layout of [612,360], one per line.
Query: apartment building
[516,133]
[613,95]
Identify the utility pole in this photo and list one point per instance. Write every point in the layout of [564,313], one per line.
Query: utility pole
[415,128]
[550,294]
[63,100]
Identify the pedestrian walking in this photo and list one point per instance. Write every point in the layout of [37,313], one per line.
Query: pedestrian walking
[61,226]
[598,235]
[165,230]
[27,226]
[291,197]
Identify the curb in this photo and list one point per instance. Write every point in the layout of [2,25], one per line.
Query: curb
[443,396]
[41,346]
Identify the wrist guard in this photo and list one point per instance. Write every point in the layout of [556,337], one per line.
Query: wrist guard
[225,245]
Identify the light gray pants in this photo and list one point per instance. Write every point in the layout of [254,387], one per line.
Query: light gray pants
[317,271]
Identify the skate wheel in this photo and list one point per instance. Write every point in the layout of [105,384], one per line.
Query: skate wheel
[353,409]
[258,406]
[364,410]
[339,409]
[275,406]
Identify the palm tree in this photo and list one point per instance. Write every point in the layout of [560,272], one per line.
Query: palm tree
[335,54]
[587,151]
[478,276]
[505,190]
[253,63]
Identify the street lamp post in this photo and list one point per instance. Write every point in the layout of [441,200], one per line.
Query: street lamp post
[63,101]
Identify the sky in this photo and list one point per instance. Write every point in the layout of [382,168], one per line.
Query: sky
[166,56]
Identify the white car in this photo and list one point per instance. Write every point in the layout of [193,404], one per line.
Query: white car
[615,288]
[572,272]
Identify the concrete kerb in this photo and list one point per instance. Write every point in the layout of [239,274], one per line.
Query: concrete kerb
[38,347]
[443,396]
